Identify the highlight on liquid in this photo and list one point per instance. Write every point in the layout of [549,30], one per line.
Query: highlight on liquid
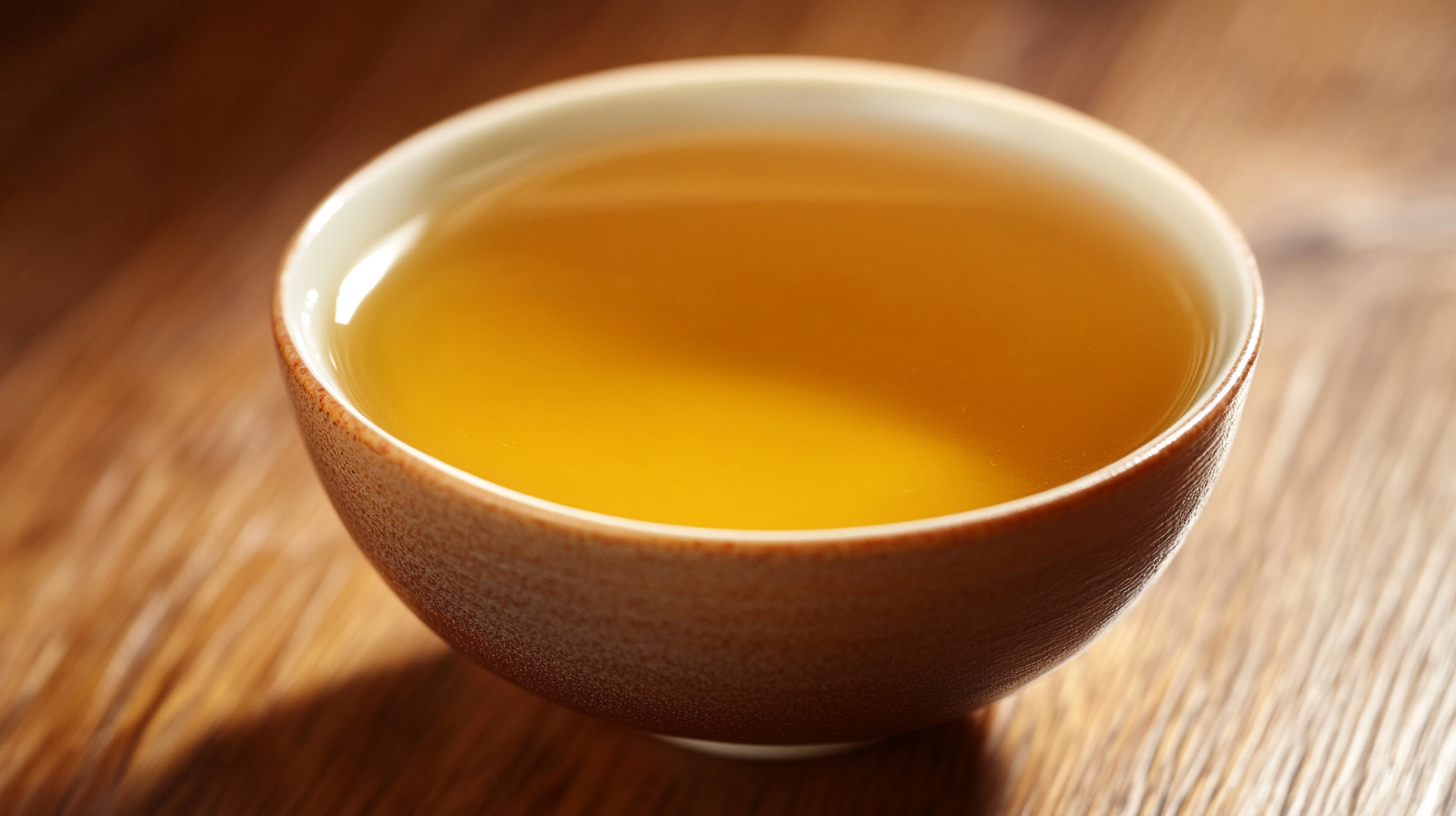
[773,330]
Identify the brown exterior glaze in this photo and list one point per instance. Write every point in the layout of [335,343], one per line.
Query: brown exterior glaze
[753,642]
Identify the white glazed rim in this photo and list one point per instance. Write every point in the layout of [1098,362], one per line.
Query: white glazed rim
[1226,376]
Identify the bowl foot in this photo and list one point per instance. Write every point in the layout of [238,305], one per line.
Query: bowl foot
[763,753]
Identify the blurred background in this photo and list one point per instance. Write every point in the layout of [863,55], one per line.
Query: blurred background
[186,628]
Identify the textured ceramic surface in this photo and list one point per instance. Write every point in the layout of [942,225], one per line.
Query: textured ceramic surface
[764,638]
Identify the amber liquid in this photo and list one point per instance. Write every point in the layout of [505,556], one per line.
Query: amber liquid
[775,331]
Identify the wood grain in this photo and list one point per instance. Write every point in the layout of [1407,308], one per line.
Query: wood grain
[187,629]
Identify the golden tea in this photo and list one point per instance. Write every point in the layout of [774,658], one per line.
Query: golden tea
[773,330]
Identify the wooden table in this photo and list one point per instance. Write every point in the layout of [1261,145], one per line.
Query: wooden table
[186,628]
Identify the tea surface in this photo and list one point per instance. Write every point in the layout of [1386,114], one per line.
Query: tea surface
[773,331]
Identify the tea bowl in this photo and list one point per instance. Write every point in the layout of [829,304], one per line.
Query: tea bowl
[749,642]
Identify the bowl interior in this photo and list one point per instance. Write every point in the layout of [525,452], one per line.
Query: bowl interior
[352,238]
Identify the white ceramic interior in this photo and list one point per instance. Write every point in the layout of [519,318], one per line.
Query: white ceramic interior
[371,217]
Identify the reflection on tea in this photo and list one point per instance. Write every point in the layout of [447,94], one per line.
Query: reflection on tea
[773,330]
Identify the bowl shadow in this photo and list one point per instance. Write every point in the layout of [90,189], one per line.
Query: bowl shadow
[442,736]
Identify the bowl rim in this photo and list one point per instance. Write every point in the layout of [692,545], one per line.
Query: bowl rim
[1203,410]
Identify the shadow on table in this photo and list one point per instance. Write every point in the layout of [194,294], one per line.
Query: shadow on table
[440,736]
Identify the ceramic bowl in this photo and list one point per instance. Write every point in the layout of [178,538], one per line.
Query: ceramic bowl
[744,639]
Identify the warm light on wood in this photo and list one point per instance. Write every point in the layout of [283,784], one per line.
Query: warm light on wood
[185,627]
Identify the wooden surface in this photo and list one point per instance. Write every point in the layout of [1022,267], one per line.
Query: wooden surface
[185,627]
